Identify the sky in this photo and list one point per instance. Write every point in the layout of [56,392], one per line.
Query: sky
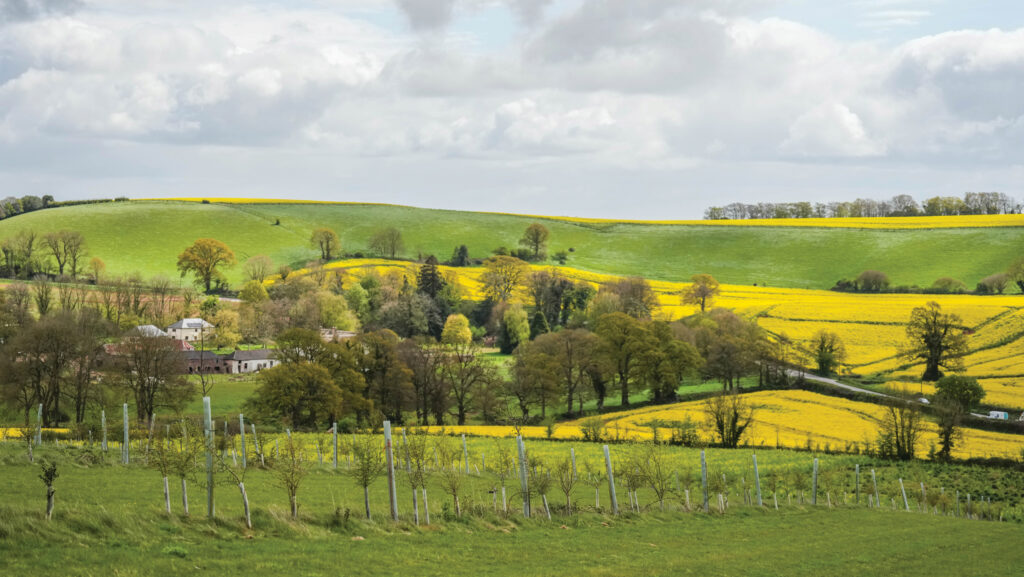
[646,109]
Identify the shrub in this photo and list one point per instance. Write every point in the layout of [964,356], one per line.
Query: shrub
[592,429]
[872,281]
[948,285]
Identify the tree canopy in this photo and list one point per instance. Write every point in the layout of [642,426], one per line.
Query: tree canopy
[204,259]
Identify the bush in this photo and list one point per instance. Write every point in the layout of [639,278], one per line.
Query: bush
[592,429]
[948,285]
[872,281]
[993,284]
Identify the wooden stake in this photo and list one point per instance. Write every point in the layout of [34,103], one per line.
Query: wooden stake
[611,480]
[208,431]
[704,480]
[904,491]
[390,457]
[757,481]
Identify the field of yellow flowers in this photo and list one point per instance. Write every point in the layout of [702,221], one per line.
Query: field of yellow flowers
[872,326]
[783,419]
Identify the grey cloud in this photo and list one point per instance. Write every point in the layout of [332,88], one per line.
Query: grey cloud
[427,14]
[23,10]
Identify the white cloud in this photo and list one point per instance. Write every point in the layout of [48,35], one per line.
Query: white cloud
[593,97]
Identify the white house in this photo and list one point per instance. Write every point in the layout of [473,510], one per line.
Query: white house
[251,361]
[190,330]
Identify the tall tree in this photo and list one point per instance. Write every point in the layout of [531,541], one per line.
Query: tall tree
[937,339]
[204,259]
[636,298]
[502,276]
[429,281]
[955,396]
[67,248]
[387,242]
[327,241]
[302,394]
[465,372]
[388,380]
[626,340]
[258,268]
[535,239]
[828,352]
[702,291]
[151,369]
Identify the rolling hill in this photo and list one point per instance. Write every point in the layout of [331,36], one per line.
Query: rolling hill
[147,236]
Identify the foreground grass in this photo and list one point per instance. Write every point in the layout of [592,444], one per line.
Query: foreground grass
[147,236]
[109,520]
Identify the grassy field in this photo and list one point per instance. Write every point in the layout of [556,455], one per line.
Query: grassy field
[811,257]
[109,520]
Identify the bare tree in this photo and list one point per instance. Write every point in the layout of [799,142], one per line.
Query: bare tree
[368,465]
[290,469]
[387,242]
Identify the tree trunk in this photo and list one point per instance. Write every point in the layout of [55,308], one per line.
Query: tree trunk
[426,506]
[415,507]
[624,388]
[295,506]
[49,502]
[167,496]
[366,500]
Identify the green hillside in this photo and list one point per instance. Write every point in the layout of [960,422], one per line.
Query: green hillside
[147,236]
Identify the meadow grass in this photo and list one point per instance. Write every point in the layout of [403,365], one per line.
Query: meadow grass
[147,236]
[109,520]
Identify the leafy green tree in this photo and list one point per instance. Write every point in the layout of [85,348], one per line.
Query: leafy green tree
[388,380]
[456,331]
[465,374]
[828,352]
[538,325]
[636,298]
[429,281]
[515,329]
[626,340]
[460,257]
[302,394]
[729,415]
[502,276]
[535,239]
[872,281]
[253,292]
[955,396]
[205,259]
[965,391]
[667,362]
[702,291]
[937,339]
[258,268]
[327,241]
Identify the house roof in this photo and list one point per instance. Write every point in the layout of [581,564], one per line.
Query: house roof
[149,331]
[253,355]
[191,324]
[205,357]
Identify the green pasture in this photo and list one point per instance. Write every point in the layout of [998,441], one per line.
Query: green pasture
[109,519]
[147,236]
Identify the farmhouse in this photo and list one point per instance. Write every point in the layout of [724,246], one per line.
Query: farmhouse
[251,361]
[189,329]
[205,362]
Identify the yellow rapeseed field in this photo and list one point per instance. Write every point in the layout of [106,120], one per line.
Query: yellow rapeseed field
[872,326]
[786,419]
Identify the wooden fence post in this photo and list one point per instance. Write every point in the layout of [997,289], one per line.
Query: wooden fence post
[241,432]
[390,456]
[757,482]
[611,480]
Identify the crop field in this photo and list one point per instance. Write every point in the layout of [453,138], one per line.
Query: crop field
[805,254]
[872,327]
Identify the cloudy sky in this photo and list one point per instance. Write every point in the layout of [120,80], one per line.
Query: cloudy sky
[607,108]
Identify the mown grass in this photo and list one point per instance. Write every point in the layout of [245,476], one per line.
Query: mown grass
[109,520]
[147,236]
